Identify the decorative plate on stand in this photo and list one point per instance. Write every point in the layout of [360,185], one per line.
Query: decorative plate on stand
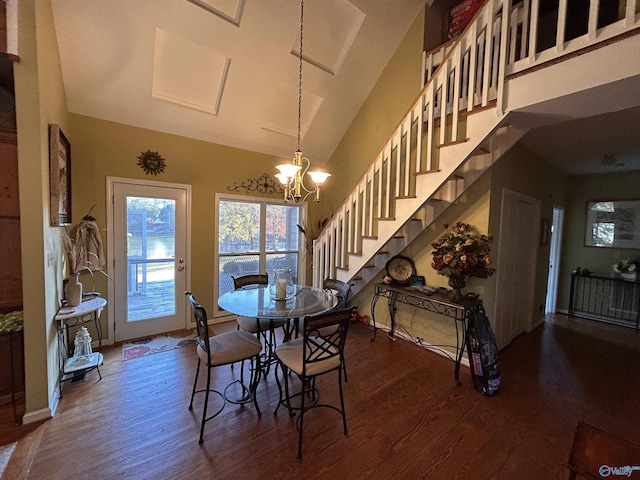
[400,269]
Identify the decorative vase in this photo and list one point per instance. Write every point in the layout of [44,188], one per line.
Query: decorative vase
[281,286]
[73,291]
[457,284]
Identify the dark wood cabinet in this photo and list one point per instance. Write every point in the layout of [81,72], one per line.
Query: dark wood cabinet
[10,259]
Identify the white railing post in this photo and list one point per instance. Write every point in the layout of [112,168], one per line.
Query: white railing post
[428,161]
[533,32]
[525,28]
[457,65]
[473,48]
[407,152]
[502,57]
[562,20]
[593,19]
[419,127]
[630,13]
[488,43]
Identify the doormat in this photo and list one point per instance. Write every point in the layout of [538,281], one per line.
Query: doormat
[143,347]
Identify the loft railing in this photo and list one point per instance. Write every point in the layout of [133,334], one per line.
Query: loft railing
[462,77]
[607,299]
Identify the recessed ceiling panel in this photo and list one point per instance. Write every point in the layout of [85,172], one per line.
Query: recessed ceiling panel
[229,10]
[188,74]
[329,29]
[282,114]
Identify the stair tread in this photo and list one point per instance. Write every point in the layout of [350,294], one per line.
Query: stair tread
[426,172]
[455,142]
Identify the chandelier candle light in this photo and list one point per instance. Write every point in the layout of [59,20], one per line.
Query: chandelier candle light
[292,174]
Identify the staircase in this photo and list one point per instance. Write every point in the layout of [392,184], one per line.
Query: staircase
[467,115]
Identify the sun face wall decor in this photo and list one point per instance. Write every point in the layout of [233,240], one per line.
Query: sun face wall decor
[151,162]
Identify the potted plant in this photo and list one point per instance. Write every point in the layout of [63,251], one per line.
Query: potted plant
[627,269]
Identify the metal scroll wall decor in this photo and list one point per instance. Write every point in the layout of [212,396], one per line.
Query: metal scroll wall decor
[263,184]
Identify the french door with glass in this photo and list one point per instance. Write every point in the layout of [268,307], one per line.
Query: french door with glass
[149,225]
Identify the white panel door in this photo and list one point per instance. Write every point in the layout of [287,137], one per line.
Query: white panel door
[517,252]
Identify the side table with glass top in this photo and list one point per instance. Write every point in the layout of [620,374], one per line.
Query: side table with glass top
[69,317]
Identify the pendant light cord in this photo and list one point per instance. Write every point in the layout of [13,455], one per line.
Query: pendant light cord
[300,73]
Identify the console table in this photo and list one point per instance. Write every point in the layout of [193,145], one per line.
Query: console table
[460,311]
[67,317]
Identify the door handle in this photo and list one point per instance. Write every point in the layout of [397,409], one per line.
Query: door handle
[181,268]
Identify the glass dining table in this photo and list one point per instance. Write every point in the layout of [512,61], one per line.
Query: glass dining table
[257,302]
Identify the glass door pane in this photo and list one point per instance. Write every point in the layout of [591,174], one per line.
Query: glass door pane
[150,257]
[150,239]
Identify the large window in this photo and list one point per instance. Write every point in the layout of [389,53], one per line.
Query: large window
[256,236]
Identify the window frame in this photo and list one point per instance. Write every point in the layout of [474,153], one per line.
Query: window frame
[262,253]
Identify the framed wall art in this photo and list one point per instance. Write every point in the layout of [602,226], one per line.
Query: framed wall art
[59,177]
[613,223]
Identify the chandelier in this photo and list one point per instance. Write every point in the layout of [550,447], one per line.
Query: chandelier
[292,174]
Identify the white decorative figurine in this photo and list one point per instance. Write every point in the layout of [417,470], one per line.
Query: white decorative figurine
[82,343]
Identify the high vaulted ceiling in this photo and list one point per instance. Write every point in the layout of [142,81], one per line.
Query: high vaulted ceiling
[226,71]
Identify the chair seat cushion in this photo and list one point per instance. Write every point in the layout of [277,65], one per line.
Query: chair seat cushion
[231,347]
[324,331]
[290,354]
[250,324]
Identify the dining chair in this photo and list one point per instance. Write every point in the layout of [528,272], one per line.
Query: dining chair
[341,290]
[337,287]
[224,349]
[319,351]
[262,327]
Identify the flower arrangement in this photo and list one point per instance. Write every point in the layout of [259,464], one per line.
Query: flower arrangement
[462,251]
[628,265]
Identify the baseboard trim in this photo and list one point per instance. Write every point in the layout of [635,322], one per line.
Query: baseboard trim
[43,413]
[37,416]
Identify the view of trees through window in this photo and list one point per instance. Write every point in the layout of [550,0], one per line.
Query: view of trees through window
[151,224]
[256,237]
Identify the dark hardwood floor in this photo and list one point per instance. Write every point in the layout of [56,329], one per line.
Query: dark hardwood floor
[407,419]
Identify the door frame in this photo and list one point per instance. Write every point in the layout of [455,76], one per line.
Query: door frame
[554,260]
[111,245]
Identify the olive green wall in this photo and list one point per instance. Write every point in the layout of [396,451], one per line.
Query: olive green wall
[581,189]
[523,172]
[102,149]
[40,100]
[391,97]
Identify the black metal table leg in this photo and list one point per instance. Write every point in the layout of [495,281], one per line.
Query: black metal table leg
[373,313]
